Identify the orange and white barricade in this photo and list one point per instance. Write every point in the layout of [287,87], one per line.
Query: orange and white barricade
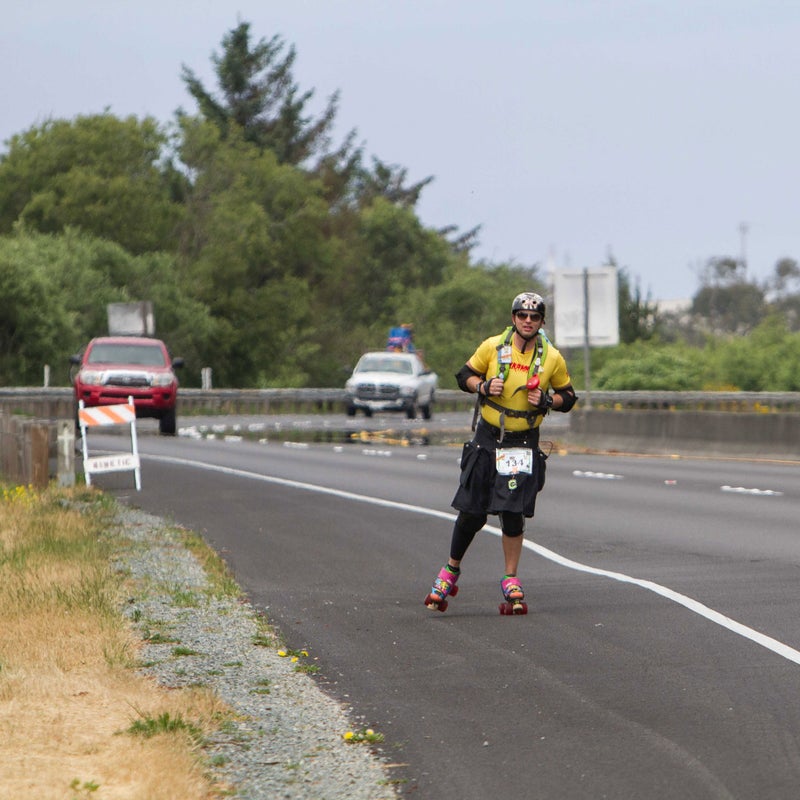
[122,414]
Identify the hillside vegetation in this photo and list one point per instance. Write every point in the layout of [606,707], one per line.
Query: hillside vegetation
[275,255]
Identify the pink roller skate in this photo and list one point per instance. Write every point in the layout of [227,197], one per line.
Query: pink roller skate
[443,585]
[512,591]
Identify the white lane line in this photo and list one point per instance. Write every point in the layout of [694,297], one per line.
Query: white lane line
[758,492]
[777,647]
[602,476]
[693,605]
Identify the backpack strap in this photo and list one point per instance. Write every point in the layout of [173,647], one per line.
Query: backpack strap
[534,368]
[510,412]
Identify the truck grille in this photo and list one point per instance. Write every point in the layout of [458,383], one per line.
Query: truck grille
[385,391]
[127,379]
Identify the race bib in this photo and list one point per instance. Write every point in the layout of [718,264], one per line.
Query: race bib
[513,460]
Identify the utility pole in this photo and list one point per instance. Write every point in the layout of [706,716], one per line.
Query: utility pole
[586,352]
[743,228]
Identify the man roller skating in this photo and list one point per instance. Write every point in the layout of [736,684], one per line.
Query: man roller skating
[502,468]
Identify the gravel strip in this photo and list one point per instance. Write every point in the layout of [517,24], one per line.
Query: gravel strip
[287,739]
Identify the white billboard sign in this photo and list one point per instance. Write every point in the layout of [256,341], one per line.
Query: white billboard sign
[571,289]
[131,319]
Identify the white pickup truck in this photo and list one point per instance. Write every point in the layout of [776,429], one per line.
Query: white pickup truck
[388,381]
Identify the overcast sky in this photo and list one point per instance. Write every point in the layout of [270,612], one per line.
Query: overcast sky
[664,133]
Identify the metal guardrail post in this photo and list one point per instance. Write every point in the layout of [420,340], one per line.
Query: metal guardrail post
[65,453]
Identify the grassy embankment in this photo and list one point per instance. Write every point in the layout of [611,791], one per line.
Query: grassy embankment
[76,719]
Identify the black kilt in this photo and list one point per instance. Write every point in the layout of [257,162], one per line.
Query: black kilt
[482,490]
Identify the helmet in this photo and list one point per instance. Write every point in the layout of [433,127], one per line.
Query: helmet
[529,301]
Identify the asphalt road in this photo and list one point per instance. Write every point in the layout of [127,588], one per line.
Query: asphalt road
[657,660]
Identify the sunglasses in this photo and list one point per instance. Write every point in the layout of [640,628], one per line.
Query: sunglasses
[534,317]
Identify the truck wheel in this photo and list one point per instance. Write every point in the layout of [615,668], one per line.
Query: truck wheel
[411,410]
[367,412]
[166,423]
[351,410]
[427,409]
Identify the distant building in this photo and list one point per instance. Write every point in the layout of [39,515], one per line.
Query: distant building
[676,307]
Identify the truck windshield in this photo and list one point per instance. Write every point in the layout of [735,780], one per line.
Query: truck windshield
[386,364]
[143,355]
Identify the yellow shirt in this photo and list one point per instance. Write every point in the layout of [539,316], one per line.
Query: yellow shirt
[553,373]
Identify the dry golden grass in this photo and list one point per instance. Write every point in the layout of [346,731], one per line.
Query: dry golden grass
[68,691]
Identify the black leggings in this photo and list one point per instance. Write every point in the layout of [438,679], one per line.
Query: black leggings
[467,525]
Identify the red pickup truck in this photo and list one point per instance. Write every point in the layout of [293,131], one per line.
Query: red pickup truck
[113,368]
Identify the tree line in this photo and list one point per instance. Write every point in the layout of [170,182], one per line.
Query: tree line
[272,253]
[737,333]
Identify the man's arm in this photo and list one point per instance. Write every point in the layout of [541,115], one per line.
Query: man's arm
[468,380]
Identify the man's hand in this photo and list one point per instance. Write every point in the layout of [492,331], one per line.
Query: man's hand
[493,387]
[540,400]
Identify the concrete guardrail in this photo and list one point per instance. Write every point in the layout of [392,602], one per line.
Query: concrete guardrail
[746,424]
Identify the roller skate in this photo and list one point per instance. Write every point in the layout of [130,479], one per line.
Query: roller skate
[443,585]
[512,591]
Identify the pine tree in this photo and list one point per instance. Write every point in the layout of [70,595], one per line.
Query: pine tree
[258,93]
